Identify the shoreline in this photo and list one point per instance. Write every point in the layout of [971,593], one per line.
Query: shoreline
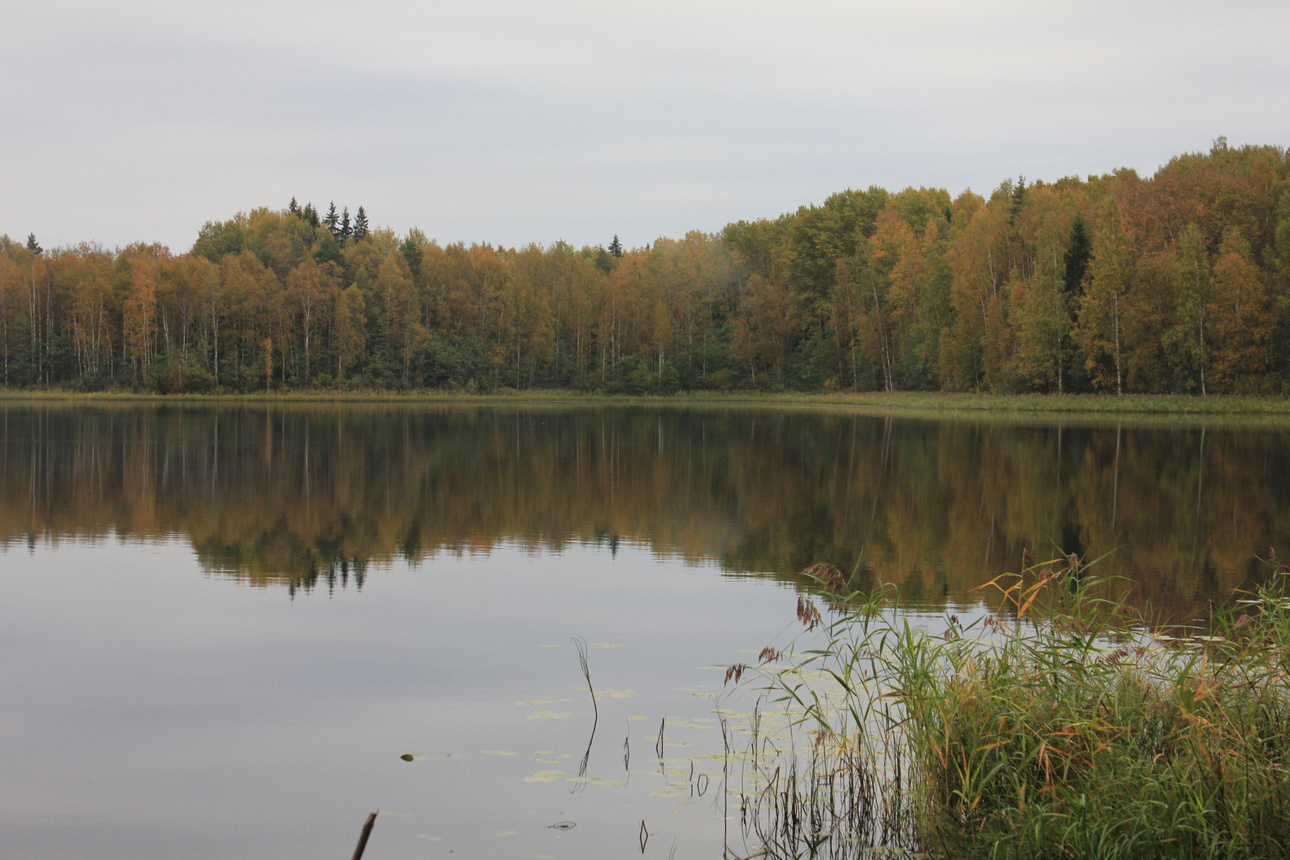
[913,403]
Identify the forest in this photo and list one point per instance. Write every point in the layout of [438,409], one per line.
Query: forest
[1176,283]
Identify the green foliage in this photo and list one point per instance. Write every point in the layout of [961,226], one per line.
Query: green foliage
[1058,727]
[1173,284]
[1075,261]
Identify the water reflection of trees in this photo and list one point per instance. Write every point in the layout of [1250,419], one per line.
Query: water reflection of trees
[299,496]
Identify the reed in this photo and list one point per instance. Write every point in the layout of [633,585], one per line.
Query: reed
[1069,729]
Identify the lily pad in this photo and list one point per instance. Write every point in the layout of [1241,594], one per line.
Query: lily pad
[547,776]
[595,780]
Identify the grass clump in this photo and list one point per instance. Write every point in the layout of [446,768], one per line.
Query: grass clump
[1066,730]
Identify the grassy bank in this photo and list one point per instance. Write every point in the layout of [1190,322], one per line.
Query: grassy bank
[1068,730]
[900,402]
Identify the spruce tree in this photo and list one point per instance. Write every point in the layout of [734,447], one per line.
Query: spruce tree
[1018,199]
[1078,253]
[33,246]
[310,214]
[345,230]
[616,247]
[360,225]
[294,208]
[332,220]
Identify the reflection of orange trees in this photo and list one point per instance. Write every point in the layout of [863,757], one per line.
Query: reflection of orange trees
[289,495]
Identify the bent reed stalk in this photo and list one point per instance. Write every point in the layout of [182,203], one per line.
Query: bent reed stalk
[1067,730]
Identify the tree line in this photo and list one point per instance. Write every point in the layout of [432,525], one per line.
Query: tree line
[1175,283]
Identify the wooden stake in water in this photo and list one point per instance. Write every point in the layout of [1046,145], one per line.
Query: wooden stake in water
[362,840]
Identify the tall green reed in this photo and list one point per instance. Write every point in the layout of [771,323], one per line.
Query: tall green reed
[1061,726]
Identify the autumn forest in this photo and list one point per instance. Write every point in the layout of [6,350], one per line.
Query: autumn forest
[1176,283]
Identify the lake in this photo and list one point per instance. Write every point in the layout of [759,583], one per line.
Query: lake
[224,630]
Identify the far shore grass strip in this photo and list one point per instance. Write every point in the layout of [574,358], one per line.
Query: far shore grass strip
[911,402]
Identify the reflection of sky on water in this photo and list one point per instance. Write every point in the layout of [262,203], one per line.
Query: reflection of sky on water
[152,711]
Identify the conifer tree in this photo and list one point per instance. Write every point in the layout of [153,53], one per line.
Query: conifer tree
[294,208]
[1018,199]
[360,225]
[616,247]
[345,230]
[33,246]
[1075,260]
[332,220]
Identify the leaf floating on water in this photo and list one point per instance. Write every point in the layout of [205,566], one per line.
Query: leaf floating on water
[667,792]
[700,723]
[606,645]
[408,757]
[562,825]
[595,780]
[502,834]
[639,717]
[548,715]
[537,703]
[498,752]
[547,776]
[617,694]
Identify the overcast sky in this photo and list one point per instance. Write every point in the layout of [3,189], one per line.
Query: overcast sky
[532,121]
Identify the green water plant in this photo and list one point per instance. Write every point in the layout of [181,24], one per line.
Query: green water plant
[1057,726]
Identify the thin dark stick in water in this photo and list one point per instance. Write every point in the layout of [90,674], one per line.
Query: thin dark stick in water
[362,840]
[595,721]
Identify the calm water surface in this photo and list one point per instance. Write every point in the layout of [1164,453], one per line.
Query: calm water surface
[221,628]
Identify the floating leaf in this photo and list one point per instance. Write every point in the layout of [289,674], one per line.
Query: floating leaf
[548,715]
[502,834]
[606,645]
[408,757]
[667,792]
[562,825]
[617,694]
[595,780]
[701,723]
[499,752]
[537,703]
[546,776]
